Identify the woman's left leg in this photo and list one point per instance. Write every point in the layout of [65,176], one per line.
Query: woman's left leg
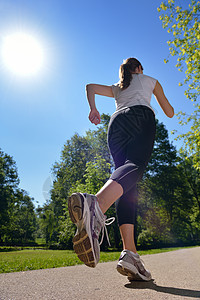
[108,194]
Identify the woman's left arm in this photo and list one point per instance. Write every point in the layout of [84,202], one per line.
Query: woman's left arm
[98,89]
[162,100]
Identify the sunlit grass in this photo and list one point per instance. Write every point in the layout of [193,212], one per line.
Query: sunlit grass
[36,259]
[25,260]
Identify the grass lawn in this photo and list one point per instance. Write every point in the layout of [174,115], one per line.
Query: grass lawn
[25,260]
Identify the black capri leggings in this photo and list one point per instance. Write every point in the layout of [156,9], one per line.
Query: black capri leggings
[131,135]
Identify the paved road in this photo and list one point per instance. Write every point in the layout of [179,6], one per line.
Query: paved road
[176,276]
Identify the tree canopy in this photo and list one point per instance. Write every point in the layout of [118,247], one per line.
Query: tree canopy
[183,25]
[185,28]
[17,215]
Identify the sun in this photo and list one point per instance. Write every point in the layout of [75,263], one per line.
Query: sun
[22,54]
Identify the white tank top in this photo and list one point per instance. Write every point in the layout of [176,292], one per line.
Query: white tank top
[139,92]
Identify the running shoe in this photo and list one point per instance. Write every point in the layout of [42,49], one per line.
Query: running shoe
[131,265]
[85,212]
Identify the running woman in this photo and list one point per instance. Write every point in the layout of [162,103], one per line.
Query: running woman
[131,135]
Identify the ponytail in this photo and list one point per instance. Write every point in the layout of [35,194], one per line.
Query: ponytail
[126,70]
[125,76]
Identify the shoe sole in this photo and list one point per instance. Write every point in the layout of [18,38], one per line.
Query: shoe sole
[81,242]
[131,276]
[75,206]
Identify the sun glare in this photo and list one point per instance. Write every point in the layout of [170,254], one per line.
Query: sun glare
[22,54]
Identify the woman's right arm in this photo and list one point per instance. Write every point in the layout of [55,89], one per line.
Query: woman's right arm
[162,100]
[98,89]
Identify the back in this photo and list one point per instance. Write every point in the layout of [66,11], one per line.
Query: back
[139,92]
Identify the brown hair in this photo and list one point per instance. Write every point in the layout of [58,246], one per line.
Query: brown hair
[126,70]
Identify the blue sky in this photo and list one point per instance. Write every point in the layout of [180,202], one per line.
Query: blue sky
[83,42]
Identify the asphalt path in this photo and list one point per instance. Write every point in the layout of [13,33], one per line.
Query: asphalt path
[176,275]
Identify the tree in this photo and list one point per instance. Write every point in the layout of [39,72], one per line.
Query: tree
[192,177]
[8,185]
[22,229]
[169,197]
[191,139]
[164,153]
[17,216]
[47,220]
[156,191]
[98,140]
[76,153]
[85,165]
[184,26]
[79,154]
[186,215]
[97,172]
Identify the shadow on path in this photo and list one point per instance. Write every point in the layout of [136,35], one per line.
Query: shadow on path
[162,289]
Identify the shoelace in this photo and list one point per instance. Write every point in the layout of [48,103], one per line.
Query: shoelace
[106,222]
[104,229]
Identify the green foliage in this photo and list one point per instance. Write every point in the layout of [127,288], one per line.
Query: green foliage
[98,140]
[8,185]
[84,165]
[17,216]
[157,200]
[97,172]
[184,27]
[47,223]
[22,221]
[75,155]
[67,230]
[164,153]
[169,197]
[191,139]
[157,228]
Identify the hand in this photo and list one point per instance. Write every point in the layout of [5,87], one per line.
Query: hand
[94,117]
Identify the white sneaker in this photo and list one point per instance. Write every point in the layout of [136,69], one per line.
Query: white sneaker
[131,265]
[85,212]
